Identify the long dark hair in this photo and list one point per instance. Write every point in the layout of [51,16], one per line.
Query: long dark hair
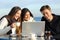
[24,10]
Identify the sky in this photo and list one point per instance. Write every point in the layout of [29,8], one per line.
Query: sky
[33,5]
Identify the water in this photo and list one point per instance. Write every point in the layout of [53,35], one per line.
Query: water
[37,18]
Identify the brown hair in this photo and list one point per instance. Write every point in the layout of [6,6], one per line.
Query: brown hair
[45,7]
[11,14]
[10,21]
[13,11]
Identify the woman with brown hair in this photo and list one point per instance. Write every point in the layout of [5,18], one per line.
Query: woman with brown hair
[9,21]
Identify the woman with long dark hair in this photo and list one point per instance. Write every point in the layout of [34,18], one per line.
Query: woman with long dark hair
[8,22]
[26,15]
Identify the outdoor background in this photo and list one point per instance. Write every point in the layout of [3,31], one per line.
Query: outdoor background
[32,5]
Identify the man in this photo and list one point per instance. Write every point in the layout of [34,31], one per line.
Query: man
[52,21]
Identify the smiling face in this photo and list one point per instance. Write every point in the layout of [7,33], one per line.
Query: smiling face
[47,14]
[17,15]
[27,16]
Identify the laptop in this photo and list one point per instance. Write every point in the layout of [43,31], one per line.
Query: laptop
[33,28]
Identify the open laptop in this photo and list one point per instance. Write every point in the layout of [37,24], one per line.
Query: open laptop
[33,27]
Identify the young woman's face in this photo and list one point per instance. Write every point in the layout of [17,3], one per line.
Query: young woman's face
[27,16]
[17,15]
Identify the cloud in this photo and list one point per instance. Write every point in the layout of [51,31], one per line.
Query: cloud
[33,5]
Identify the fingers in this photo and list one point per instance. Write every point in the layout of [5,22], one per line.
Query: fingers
[13,25]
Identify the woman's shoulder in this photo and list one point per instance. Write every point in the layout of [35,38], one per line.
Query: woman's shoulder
[32,19]
[3,18]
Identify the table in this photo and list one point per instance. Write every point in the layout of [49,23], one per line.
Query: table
[8,37]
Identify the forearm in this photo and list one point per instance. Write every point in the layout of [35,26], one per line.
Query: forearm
[5,30]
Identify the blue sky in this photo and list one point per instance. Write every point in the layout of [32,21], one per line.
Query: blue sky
[32,5]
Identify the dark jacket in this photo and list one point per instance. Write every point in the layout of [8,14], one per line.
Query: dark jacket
[53,26]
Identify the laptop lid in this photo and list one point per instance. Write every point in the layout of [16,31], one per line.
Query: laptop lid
[33,27]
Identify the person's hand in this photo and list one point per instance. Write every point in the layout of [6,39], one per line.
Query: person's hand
[13,25]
